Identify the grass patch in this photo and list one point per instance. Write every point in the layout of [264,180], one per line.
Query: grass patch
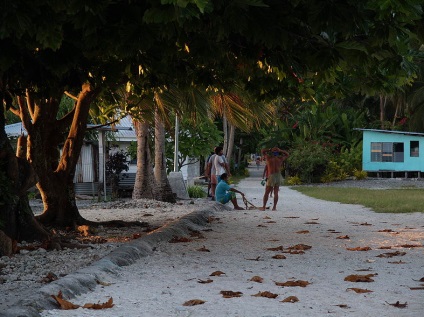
[380,200]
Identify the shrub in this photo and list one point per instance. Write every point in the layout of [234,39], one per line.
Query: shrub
[334,172]
[196,191]
[293,180]
[308,161]
[359,174]
[350,159]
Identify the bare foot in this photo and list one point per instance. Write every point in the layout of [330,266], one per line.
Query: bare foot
[238,208]
[274,209]
[261,208]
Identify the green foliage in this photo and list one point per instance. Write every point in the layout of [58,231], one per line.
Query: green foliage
[308,160]
[194,140]
[293,180]
[116,164]
[350,159]
[333,172]
[196,191]
[360,174]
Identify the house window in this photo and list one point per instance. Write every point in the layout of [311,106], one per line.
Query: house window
[415,149]
[387,152]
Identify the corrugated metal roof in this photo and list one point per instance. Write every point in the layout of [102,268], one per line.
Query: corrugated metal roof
[15,129]
[391,131]
[124,129]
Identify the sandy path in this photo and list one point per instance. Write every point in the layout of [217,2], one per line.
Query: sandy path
[159,284]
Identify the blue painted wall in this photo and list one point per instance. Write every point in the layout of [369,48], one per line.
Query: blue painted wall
[409,163]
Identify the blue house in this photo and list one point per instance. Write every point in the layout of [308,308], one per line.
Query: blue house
[393,151]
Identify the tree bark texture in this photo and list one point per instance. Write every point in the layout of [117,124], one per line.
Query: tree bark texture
[17,221]
[144,186]
[163,188]
[55,170]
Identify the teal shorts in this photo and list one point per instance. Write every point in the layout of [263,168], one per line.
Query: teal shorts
[228,196]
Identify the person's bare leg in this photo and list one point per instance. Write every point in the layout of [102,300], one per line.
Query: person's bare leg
[275,198]
[265,199]
[213,187]
[236,206]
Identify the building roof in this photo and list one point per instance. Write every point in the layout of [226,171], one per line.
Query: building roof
[124,129]
[15,129]
[392,131]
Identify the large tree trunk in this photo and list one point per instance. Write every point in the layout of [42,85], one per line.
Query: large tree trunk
[144,180]
[56,172]
[163,188]
[16,177]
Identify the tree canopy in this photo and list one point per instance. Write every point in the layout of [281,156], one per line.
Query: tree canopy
[267,48]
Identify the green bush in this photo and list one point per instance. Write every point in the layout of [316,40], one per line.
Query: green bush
[334,172]
[308,160]
[293,180]
[196,191]
[350,159]
[360,174]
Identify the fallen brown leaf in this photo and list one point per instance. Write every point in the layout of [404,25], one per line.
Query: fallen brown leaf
[267,217]
[294,252]
[197,234]
[279,257]
[50,277]
[290,299]
[279,248]
[291,217]
[399,305]
[416,288]
[266,294]
[386,230]
[230,294]
[203,249]
[205,281]
[179,239]
[311,223]
[263,226]
[365,224]
[359,249]
[293,283]
[64,304]
[255,259]
[343,237]
[391,254]
[271,221]
[398,262]
[343,306]
[217,273]
[257,279]
[300,247]
[359,290]
[409,246]
[103,283]
[385,248]
[303,232]
[108,304]
[359,278]
[194,302]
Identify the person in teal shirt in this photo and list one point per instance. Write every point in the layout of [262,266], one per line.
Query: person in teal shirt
[224,193]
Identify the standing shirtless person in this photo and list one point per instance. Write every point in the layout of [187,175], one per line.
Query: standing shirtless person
[275,158]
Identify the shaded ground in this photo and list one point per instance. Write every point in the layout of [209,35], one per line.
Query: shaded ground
[310,243]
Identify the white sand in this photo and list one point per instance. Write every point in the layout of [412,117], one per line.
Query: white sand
[159,285]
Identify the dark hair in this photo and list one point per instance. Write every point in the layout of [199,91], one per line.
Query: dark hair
[218,149]
[224,176]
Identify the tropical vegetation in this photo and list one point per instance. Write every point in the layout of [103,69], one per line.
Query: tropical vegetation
[289,73]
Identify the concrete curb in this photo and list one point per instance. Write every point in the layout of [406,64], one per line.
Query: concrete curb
[86,279]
